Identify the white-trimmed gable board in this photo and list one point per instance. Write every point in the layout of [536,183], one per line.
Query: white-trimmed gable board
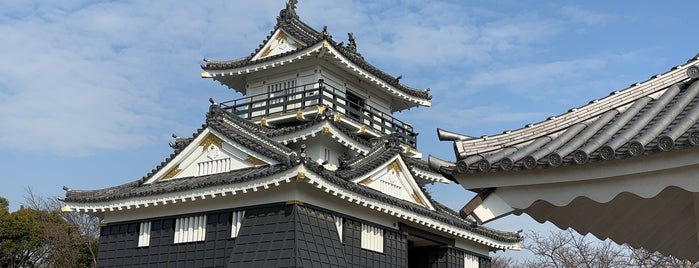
[280,42]
[393,178]
[209,153]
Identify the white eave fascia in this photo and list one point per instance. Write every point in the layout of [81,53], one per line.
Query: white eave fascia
[595,108]
[332,131]
[184,196]
[308,52]
[275,180]
[429,175]
[398,212]
[360,72]
[264,65]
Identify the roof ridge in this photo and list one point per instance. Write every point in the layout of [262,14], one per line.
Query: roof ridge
[614,100]
[243,132]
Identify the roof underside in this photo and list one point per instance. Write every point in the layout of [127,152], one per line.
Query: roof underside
[665,223]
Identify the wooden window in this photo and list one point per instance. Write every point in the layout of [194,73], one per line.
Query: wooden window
[144,234]
[372,238]
[277,90]
[355,105]
[190,229]
[236,222]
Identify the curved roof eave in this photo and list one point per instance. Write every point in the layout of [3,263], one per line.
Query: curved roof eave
[594,108]
[658,115]
[320,49]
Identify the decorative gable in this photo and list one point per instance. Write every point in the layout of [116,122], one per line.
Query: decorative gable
[279,43]
[393,178]
[210,153]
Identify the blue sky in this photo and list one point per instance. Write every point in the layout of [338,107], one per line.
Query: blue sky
[90,91]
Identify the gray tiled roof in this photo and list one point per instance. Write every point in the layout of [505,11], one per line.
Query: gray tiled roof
[139,189]
[248,134]
[442,214]
[652,117]
[295,127]
[362,164]
[291,24]
[385,149]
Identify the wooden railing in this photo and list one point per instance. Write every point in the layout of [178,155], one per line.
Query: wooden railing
[316,94]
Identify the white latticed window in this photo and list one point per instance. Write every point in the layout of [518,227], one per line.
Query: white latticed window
[144,234]
[470,261]
[190,229]
[338,224]
[236,221]
[372,238]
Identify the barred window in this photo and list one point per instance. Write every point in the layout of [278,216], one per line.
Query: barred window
[190,229]
[372,238]
[144,234]
[236,221]
[338,224]
[470,261]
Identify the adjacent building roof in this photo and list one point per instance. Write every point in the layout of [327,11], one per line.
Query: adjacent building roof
[653,116]
[622,167]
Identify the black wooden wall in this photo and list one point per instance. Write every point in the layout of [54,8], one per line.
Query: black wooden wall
[275,235]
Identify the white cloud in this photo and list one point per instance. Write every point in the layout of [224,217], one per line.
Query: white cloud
[533,78]
[578,14]
[80,78]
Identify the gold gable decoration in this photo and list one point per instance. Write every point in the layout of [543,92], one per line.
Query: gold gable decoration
[366,181]
[254,160]
[266,52]
[170,174]
[394,166]
[209,140]
[418,199]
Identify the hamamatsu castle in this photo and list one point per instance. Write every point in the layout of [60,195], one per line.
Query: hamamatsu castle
[308,169]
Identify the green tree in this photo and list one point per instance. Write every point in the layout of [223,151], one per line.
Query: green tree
[39,235]
[22,242]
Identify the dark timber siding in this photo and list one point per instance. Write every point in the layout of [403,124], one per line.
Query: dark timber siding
[274,235]
[118,245]
[394,253]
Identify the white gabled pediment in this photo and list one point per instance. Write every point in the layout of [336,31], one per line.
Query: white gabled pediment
[209,153]
[279,43]
[393,178]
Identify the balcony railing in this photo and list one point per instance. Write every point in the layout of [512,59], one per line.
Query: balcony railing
[315,94]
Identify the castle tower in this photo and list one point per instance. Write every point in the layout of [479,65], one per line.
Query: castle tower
[309,168]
